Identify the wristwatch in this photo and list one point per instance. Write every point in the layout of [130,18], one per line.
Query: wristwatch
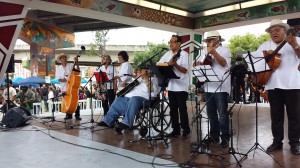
[296,47]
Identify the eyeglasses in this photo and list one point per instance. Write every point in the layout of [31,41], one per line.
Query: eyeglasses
[172,42]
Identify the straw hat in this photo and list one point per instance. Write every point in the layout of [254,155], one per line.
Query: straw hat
[62,54]
[212,35]
[277,22]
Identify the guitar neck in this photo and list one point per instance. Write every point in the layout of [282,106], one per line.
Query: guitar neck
[275,52]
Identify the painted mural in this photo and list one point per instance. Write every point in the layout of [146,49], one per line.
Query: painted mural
[129,10]
[257,12]
[46,36]
[38,63]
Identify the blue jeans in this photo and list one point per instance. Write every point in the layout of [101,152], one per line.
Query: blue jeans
[218,104]
[124,106]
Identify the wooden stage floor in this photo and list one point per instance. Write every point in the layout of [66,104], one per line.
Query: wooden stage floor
[179,150]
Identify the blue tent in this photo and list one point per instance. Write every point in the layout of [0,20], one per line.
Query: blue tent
[83,80]
[3,82]
[31,81]
[54,81]
[17,79]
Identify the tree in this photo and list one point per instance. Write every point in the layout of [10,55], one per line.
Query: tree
[248,42]
[141,56]
[99,48]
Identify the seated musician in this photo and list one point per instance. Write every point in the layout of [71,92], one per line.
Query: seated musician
[131,103]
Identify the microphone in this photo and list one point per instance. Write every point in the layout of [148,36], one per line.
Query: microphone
[115,62]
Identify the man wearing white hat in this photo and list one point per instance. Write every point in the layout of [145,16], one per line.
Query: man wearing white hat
[62,74]
[216,93]
[283,86]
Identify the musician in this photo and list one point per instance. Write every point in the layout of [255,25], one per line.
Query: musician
[284,86]
[216,93]
[62,74]
[111,86]
[26,97]
[131,103]
[12,97]
[178,88]
[239,71]
[125,73]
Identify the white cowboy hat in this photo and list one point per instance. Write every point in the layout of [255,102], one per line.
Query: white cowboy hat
[62,54]
[277,22]
[212,35]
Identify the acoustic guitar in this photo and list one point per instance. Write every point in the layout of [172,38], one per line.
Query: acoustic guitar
[273,60]
[70,99]
[128,87]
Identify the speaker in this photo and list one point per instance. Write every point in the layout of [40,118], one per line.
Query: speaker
[11,65]
[15,117]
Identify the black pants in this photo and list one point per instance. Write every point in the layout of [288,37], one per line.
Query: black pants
[178,102]
[239,83]
[290,99]
[77,113]
[110,97]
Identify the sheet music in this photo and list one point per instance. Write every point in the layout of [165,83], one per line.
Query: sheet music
[259,62]
[205,73]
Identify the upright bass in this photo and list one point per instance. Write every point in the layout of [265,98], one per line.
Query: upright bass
[70,99]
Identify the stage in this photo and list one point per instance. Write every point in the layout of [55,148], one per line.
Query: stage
[87,145]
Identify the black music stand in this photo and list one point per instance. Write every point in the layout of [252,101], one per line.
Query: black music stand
[163,73]
[204,73]
[257,64]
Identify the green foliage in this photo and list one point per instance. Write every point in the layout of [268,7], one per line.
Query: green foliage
[99,45]
[153,49]
[248,42]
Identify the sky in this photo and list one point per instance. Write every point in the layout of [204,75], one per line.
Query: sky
[140,35]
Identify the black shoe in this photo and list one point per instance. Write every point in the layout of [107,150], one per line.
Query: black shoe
[186,135]
[120,126]
[224,144]
[173,134]
[78,118]
[295,149]
[103,124]
[274,147]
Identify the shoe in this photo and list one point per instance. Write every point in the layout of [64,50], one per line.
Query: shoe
[224,144]
[211,140]
[120,126]
[103,124]
[78,118]
[295,149]
[186,135]
[173,134]
[274,147]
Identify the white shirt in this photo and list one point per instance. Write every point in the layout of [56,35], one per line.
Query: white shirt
[142,90]
[125,70]
[63,73]
[212,87]
[182,83]
[110,72]
[286,76]
[50,96]
[12,92]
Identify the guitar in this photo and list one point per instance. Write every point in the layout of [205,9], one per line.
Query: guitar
[207,59]
[128,87]
[70,99]
[273,60]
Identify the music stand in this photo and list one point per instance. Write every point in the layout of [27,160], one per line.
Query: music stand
[204,73]
[257,65]
[163,73]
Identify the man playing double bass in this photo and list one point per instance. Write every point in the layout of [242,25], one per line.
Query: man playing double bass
[283,87]
[62,74]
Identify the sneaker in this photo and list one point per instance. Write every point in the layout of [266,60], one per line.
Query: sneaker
[120,126]
[173,134]
[186,135]
[224,144]
[103,124]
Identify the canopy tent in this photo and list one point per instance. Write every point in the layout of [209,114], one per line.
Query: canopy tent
[17,79]
[31,81]
[54,81]
[3,82]
[83,80]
